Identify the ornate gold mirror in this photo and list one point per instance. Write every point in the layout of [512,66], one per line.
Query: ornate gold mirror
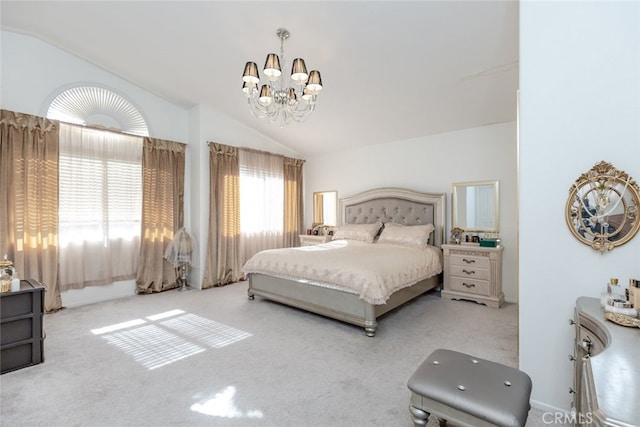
[325,208]
[602,209]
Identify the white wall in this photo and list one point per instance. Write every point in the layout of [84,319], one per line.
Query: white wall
[33,72]
[209,125]
[579,104]
[430,164]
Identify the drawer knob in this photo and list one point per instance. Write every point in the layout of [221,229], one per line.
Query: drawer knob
[572,322]
[586,344]
[468,285]
[469,272]
[468,261]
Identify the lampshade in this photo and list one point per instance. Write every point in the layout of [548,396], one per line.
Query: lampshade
[248,88]
[292,98]
[307,95]
[315,82]
[250,74]
[180,249]
[299,71]
[265,95]
[272,67]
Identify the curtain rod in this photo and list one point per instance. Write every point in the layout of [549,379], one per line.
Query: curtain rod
[255,150]
[104,129]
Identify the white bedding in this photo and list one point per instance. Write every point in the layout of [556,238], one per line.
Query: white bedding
[374,271]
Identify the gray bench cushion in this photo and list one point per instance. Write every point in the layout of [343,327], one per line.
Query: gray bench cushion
[487,390]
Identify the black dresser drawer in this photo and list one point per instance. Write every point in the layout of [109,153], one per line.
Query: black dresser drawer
[21,326]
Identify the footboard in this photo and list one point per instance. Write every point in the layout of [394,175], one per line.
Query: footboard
[333,303]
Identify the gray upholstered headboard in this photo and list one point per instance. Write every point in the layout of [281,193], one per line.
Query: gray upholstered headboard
[397,205]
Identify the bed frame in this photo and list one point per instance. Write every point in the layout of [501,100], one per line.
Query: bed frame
[383,204]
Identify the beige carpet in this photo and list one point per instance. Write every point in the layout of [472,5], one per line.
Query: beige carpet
[214,358]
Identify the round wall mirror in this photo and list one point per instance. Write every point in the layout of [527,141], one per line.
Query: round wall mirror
[602,209]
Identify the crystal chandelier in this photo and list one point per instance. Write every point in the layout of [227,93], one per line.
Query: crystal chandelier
[277,101]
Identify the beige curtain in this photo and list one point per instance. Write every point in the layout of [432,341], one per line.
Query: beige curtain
[162,212]
[261,202]
[293,213]
[29,199]
[222,265]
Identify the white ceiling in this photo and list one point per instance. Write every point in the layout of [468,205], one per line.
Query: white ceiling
[391,70]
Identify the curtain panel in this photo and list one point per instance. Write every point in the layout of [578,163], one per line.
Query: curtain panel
[293,212]
[222,264]
[29,199]
[163,168]
[261,202]
[99,206]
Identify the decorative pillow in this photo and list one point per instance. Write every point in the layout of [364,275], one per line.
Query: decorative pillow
[362,232]
[407,235]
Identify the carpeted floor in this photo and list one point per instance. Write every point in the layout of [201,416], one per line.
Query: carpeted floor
[214,358]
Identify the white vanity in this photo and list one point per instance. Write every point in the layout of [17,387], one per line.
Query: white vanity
[606,382]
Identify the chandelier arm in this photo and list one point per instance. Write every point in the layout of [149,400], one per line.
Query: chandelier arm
[260,110]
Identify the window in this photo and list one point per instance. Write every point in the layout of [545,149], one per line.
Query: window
[261,202]
[100,202]
[100,188]
[90,105]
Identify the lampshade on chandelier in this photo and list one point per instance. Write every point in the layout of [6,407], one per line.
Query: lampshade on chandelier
[277,100]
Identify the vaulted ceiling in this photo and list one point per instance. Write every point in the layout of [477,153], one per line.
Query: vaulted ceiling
[391,70]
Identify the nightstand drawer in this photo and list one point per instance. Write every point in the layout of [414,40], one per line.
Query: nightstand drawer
[471,272]
[470,286]
[469,260]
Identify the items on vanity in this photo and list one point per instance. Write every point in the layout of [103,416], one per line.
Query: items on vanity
[619,304]
[633,293]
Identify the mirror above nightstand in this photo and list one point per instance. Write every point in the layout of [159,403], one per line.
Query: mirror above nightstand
[325,208]
[475,206]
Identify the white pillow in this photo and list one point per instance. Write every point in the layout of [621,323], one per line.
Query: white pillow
[407,235]
[362,232]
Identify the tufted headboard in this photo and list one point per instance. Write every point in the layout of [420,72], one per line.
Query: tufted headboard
[397,205]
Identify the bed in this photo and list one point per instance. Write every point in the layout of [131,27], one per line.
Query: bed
[327,289]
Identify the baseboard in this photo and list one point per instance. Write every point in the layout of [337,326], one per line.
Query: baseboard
[94,294]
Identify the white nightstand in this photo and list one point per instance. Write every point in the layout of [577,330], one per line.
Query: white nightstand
[310,239]
[473,273]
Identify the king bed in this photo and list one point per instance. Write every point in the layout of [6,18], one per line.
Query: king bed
[385,252]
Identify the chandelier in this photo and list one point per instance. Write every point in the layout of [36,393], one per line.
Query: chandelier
[276,100]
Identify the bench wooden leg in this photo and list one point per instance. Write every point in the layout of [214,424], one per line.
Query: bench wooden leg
[419,417]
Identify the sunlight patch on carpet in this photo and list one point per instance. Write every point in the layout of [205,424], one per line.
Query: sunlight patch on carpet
[222,405]
[167,337]
[152,346]
[118,326]
[207,331]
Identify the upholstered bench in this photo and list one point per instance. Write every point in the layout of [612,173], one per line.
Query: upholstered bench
[468,392]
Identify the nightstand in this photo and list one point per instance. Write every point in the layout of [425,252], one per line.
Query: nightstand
[473,273]
[310,239]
